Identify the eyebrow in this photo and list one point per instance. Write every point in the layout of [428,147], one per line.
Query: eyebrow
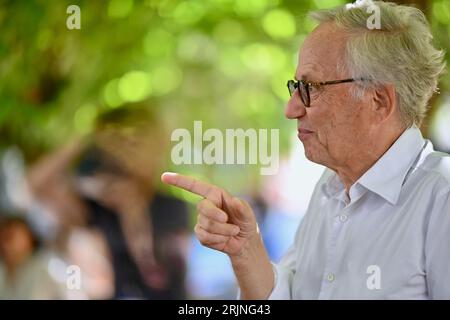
[305,77]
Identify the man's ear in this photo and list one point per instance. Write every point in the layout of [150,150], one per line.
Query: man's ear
[384,102]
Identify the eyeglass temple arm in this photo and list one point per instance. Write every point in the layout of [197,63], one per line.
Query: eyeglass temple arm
[335,81]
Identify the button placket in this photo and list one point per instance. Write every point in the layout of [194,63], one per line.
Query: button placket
[329,276]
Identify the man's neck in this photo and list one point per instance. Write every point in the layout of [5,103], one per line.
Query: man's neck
[359,164]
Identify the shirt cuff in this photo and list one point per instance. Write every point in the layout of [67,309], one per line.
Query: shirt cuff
[282,283]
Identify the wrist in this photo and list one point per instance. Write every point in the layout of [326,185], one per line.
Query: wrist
[253,270]
[253,251]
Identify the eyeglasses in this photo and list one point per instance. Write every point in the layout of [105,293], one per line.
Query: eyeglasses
[305,88]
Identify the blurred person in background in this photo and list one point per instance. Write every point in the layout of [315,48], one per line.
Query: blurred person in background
[147,232]
[53,194]
[56,206]
[24,265]
[109,212]
[87,249]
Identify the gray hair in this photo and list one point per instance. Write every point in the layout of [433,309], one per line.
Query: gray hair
[399,53]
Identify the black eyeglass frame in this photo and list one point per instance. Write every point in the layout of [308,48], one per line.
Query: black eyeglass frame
[305,85]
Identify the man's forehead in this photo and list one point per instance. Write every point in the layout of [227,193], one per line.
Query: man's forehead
[321,51]
[309,72]
[326,38]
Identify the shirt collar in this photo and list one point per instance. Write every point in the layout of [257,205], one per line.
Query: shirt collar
[387,175]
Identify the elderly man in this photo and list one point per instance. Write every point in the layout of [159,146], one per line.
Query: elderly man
[378,222]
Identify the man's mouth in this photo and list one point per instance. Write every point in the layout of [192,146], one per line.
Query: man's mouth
[301,130]
[303,133]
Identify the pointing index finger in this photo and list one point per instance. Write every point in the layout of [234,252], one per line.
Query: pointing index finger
[190,184]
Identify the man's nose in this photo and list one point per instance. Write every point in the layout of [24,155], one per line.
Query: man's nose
[294,107]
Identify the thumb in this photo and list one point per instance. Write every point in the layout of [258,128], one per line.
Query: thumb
[244,217]
[238,205]
[242,210]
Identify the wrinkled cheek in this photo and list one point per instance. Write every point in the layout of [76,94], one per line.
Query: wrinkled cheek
[329,143]
[322,138]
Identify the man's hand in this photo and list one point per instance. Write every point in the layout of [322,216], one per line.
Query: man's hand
[224,223]
[227,224]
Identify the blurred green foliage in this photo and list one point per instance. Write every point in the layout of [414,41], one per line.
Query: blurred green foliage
[225,62]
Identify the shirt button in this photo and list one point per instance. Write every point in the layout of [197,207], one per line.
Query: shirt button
[330,277]
[343,217]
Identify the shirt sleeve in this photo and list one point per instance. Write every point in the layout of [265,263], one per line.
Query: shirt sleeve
[437,253]
[284,274]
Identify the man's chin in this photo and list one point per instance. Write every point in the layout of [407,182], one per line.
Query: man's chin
[311,156]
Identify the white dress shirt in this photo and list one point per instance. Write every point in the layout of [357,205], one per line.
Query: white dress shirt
[390,239]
